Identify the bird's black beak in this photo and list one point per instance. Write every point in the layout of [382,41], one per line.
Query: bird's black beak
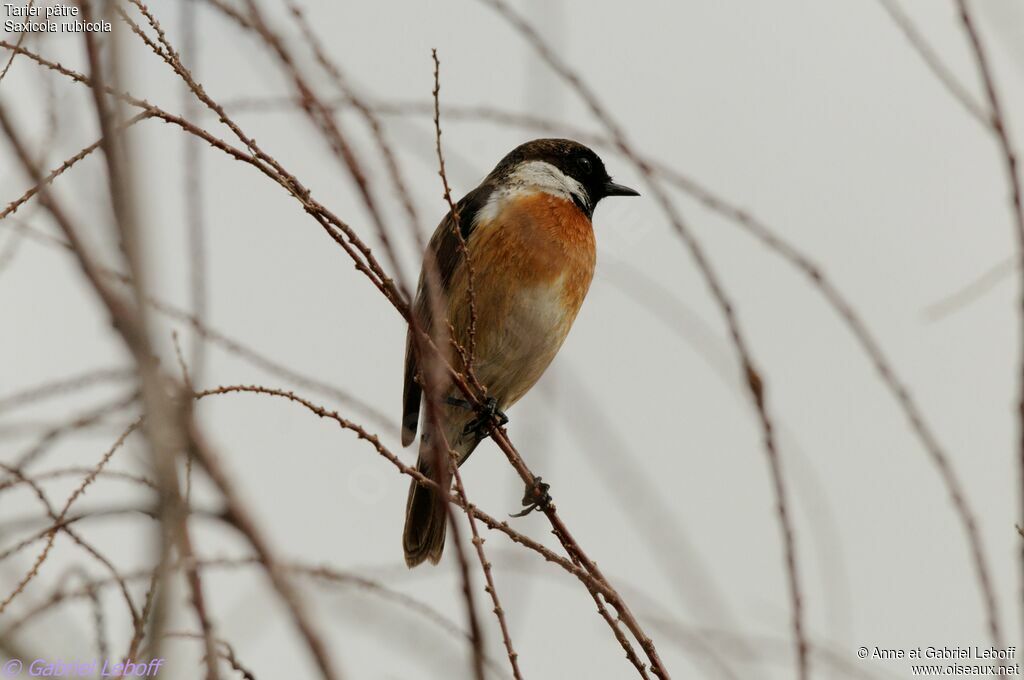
[613,189]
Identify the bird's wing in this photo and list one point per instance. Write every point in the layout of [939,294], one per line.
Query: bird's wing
[447,257]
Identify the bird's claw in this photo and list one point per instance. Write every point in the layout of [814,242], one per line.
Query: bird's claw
[485,413]
[536,497]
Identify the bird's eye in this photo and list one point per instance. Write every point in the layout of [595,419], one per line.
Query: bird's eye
[585,165]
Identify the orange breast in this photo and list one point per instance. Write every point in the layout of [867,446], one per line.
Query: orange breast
[539,237]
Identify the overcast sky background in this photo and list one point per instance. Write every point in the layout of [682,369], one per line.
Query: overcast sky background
[817,117]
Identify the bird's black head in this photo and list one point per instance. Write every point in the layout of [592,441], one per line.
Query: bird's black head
[587,180]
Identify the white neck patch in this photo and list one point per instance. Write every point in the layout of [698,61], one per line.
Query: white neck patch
[531,177]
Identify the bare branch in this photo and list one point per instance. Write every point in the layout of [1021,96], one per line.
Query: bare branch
[1017,208]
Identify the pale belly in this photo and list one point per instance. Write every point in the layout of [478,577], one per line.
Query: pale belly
[515,352]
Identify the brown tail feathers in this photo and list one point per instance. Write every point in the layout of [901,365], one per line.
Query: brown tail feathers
[423,538]
[425,527]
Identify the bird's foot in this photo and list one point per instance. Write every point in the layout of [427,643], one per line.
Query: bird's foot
[535,497]
[487,412]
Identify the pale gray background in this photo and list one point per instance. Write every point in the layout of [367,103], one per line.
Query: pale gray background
[817,116]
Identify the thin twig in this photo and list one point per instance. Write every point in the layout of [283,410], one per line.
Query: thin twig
[935,64]
[456,218]
[21,39]
[580,572]
[485,565]
[60,524]
[62,386]
[999,124]
[83,420]
[226,652]
[973,290]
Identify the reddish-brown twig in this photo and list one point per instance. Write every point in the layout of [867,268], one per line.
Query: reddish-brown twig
[60,524]
[582,573]
[78,471]
[338,230]
[453,209]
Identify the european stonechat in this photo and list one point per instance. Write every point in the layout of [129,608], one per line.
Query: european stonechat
[528,232]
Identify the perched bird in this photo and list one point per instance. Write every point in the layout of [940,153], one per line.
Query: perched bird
[531,247]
